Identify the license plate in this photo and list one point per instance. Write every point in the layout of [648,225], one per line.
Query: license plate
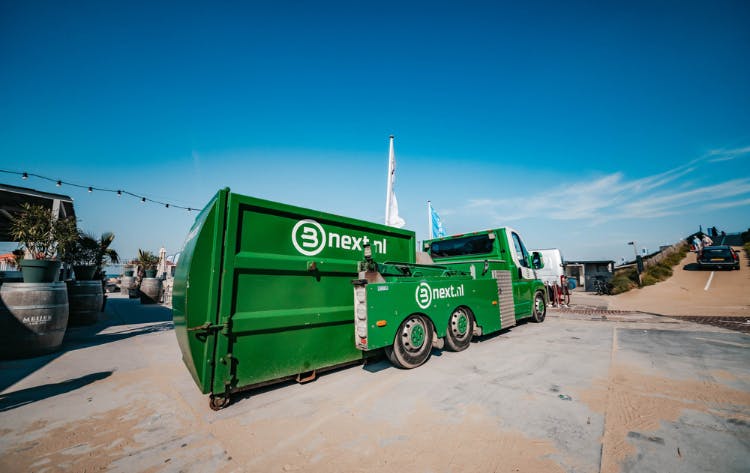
[717,259]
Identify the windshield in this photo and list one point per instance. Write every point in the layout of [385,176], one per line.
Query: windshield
[717,253]
[470,245]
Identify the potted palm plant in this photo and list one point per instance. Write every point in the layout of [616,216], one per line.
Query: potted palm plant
[104,256]
[88,255]
[41,235]
[150,286]
[148,262]
[81,254]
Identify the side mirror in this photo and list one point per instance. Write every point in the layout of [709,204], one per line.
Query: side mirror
[536,260]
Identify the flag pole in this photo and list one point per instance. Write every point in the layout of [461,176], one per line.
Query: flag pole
[429,219]
[389,186]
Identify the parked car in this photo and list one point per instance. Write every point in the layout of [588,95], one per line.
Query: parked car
[719,257]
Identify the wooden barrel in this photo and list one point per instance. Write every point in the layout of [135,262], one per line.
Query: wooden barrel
[33,318]
[85,299]
[127,286]
[150,290]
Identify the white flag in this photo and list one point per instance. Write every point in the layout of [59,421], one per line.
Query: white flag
[391,204]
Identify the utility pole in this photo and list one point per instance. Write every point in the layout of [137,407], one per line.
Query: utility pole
[638,262]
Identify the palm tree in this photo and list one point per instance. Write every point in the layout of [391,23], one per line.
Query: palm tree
[104,254]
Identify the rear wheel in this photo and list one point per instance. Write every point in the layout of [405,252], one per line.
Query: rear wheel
[460,330]
[540,308]
[413,343]
[219,401]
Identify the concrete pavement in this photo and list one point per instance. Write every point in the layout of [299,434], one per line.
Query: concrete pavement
[577,393]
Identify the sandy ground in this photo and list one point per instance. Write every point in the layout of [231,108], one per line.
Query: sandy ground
[691,291]
[578,393]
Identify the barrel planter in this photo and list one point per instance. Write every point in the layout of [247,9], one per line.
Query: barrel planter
[150,290]
[33,318]
[127,286]
[85,299]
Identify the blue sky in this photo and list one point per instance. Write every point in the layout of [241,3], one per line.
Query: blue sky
[584,125]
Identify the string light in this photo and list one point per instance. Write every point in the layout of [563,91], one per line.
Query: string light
[119,192]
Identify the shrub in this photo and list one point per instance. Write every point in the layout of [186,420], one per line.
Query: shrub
[648,280]
[624,281]
[660,271]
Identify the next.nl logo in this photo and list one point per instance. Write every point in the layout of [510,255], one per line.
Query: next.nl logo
[310,238]
[425,294]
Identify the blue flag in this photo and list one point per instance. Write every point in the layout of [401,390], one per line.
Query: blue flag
[436,226]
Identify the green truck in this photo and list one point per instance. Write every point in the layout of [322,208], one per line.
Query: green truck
[471,284]
[263,293]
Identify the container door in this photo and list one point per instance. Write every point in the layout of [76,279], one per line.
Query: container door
[195,293]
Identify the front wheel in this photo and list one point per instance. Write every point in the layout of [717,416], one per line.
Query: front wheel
[540,308]
[413,343]
[460,330]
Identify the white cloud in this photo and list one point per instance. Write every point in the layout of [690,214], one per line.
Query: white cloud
[727,205]
[719,155]
[613,197]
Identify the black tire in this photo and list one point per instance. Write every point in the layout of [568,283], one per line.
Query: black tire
[460,329]
[539,311]
[413,343]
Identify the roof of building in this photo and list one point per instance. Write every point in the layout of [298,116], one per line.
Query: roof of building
[11,198]
[590,262]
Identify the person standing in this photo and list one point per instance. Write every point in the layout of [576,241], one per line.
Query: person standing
[697,243]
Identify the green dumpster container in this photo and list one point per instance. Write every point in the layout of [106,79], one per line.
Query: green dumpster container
[263,291]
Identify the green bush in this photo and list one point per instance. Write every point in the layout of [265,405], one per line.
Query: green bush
[660,271]
[624,281]
[648,280]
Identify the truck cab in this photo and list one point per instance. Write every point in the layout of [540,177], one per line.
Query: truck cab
[488,254]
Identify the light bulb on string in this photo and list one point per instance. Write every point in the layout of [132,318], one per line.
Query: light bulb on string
[59,182]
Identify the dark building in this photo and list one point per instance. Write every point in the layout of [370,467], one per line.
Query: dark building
[584,273]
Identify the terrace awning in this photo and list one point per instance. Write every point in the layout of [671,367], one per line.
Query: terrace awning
[11,198]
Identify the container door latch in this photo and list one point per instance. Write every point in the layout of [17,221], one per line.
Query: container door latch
[203,331]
